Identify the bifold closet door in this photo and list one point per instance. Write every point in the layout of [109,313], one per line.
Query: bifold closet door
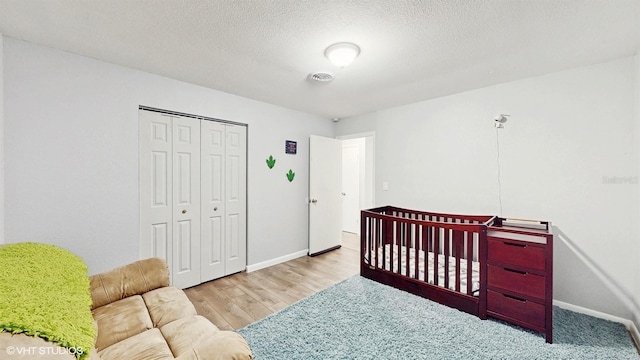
[156,186]
[236,199]
[193,196]
[213,232]
[170,194]
[186,202]
[223,199]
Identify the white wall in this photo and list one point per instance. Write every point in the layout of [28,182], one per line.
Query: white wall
[71,148]
[1,141]
[357,125]
[567,131]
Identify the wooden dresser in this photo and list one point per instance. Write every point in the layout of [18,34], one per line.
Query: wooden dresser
[520,274]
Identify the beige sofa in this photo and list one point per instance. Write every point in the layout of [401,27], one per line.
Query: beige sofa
[138,317]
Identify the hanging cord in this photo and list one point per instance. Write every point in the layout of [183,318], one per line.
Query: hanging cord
[498,161]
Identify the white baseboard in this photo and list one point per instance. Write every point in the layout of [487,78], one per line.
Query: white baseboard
[630,325]
[276,261]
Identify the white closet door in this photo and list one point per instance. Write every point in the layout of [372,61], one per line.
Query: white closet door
[156,179]
[213,195]
[236,199]
[186,206]
[193,194]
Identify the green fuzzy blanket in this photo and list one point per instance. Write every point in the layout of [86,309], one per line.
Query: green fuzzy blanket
[44,292]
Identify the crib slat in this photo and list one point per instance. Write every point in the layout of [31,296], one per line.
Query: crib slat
[469,257]
[426,254]
[417,247]
[425,246]
[457,239]
[447,246]
[436,251]
[366,234]
[407,248]
[398,241]
[386,231]
[373,237]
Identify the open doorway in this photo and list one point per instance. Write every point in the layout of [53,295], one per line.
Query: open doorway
[357,178]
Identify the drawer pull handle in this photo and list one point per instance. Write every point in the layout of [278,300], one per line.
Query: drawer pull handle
[515,298]
[516,271]
[516,245]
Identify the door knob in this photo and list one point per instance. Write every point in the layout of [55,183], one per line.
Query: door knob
[313,201]
[184,211]
[215,208]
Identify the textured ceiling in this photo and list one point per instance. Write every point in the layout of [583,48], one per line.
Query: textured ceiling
[265,49]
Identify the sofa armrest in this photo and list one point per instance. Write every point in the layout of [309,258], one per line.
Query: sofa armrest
[132,279]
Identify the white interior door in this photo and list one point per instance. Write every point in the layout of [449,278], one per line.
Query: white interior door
[186,207]
[156,186]
[325,194]
[351,185]
[236,199]
[224,199]
[213,200]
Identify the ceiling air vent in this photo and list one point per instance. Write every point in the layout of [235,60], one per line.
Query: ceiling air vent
[321,76]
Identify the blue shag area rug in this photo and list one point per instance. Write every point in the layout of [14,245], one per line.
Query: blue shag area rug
[362,319]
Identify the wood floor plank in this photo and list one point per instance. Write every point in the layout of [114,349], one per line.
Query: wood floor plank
[253,287]
[231,312]
[237,300]
[205,309]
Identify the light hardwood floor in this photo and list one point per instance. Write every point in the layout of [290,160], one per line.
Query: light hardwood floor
[238,300]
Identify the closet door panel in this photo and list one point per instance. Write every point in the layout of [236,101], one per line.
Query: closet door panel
[213,195]
[156,181]
[184,240]
[160,240]
[186,202]
[236,199]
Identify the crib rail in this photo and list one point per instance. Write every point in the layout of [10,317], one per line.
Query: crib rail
[417,247]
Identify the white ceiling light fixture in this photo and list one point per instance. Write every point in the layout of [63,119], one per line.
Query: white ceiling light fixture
[342,54]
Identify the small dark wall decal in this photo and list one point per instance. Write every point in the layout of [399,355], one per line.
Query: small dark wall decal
[271,162]
[290,147]
[290,175]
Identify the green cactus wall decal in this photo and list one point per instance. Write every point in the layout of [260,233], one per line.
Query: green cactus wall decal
[290,175]
[271,162]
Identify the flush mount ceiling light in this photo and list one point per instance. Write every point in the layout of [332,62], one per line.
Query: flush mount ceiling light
[342,54]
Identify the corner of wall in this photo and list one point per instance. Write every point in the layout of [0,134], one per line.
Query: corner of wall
[633,329]
[1,139]
[356,125]
[636,310]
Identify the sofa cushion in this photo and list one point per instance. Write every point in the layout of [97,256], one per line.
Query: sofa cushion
[168,304]
[133,279]
[224,345]
[183,334]
[148,345]
[121,320]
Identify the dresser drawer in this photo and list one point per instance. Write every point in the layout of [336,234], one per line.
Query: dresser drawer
[526,311]
[516,281]
[516,253]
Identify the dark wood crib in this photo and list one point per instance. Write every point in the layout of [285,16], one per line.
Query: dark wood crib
[482,265]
